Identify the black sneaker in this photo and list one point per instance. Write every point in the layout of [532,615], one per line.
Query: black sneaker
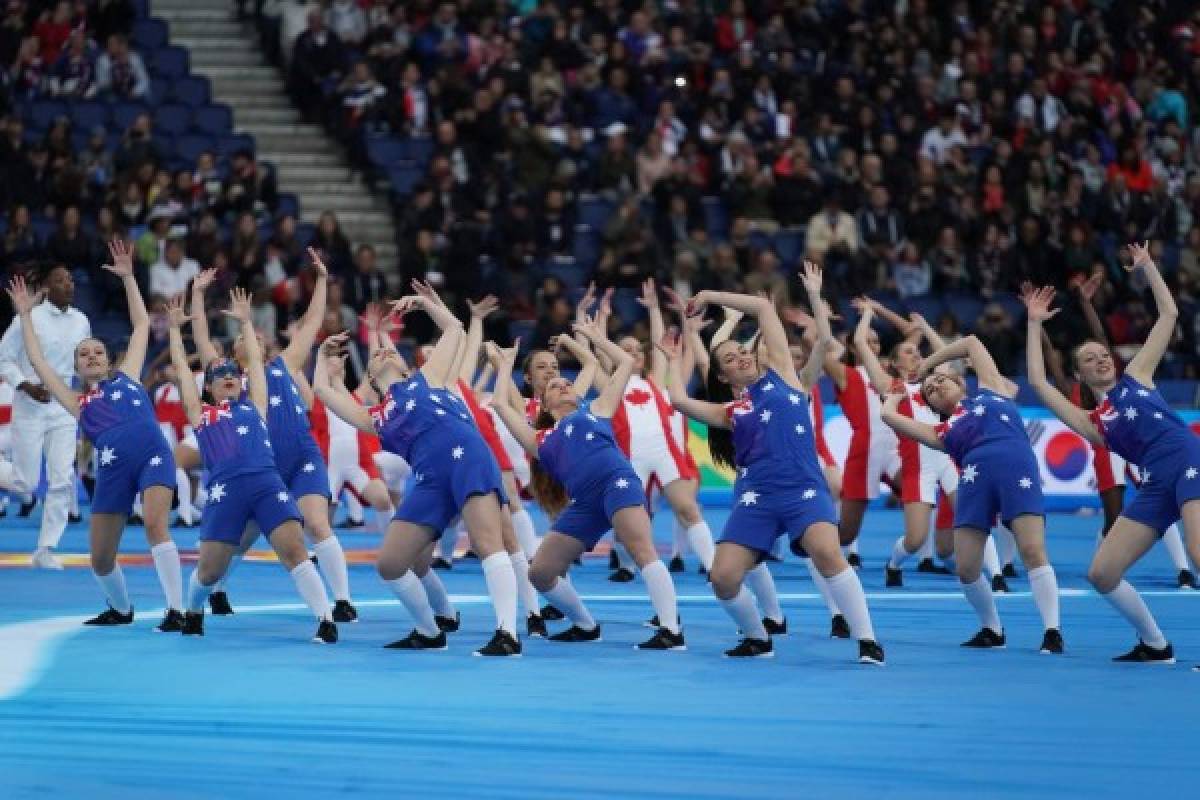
[419,641]
[193,623]
[677,564]
[441,563]
[775,628]
[869,652]
[470,555]
[654,623]
[752,648]
[577,634]
[111,617]
[75,519]
[354,523]
[999,585]
[326,633]
[839,628]
[552,614]
[1186,579]
[613,561]
[448,624]
[663,639]
[172,622]
[180,522]
[928,565]
[854,560]
[1052,643]
[219,603]
[622,575]
[503,645]
[535,627]
[26,508]
[702,571]
[986,639]
[893,578]
[343,611]
[1009,570]
[1146,654]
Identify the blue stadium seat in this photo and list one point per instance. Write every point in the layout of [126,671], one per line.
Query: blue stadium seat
[760,241]
[149,34]
[213,119]
[173,118]
[522,329]
[43,112]
[170,62]
[189,146]
[230,143]
[594,211]
[384,151]
[85,116]
[789,246]
[587,247]
[141,9]
[112,329]
[930,307]
[160,91]
[419,149]
[716,218]
[123,114]
[1013,305]
[164,141]
[289,204]
[965,309]
[305,231]
[191,91]
[572,274]
[42,226]
[403,178]
[626,306]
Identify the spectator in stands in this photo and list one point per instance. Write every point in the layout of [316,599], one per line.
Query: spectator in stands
[347,21]
[245,249]
[171,275]
[442,40]
[20,242]
[616,172]
[106,17]
[31,182]
[137,148]
[204,239]
[361,96]
[317,57]
[366,284]
[248,188]
[27,75]
[129,205]
[74,73]
[53,29]
[153,241]
[291,251]
[120,71]
[70,244]
[911,276]
[330,240]
[996,330]
[767,278]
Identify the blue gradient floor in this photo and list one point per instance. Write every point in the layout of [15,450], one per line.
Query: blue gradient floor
[253,709]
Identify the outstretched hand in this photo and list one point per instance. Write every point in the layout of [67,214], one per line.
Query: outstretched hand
[483,308]
[22,299]
[811,278]
[1140,255]
[122,259]
[649,298]
[1088,287]
[1038,304]
[204,279]
[176,315]
[671,345]
[239,305]
[318,263]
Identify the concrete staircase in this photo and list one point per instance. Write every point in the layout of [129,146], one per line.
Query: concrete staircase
[309,162]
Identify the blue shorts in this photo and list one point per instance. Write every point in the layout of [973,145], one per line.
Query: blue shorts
[1165,488]
[438,490]
[237,500]
[997,484]
[303,470]
[128,464]
[761,514]
[589,516]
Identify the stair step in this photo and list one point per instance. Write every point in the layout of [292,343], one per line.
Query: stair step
[289,129]
[232,74]
[203,59]
[191,11]
[204,30]
[213,44]
[341,203]
[252,116]
[314,174]
[239,100]
[302,159]
[295,142]
[346,188]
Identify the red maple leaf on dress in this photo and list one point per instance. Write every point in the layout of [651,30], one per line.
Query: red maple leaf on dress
[639,397]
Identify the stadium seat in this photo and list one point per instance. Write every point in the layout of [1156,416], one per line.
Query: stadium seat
[123,114]
[587,247]
[404,177]
[789,246]
[172,118]
[289,204]
[190,145]
[930,307]
[43,112]
[965,309]
[141,9]
[522,329]
[149,34]
[85,116]
[572,274]
[1013,305]
[43,227]
[160,91]
[384,151]
[191,91]
[216,120]
[417,148]
[170,62]
[230,143]
[626,306]
[716,219]
[594,211]
[164,141]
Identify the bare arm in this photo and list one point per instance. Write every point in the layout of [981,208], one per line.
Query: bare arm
[729,324]
[189,397]
[906,327]
[875,371]
[658,362]
[981,362]
[296,353]
[1072,416]
[1087,290]
[513,419]
[936,342]
[200,335]
[606,404]
[1144,364]
[333,392]
[906,426]
[122,267]
[24,303]
[438,367]
[770,326]
[256,375]
[711,414]
[822,339]
[474,339]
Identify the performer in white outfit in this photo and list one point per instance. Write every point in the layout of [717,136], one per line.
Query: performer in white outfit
[40,425]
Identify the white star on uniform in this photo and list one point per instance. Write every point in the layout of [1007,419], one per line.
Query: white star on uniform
[457,452]
[137,402]
[590,436]
[310,467]
[412,386]
[809,494]
[267,442]
[217,492]
[1131,413]
[435,399]
[156,461]
[979,411]
[745,471]
[242,430]
[277,372]
[295,391]
[1004,417]
[1191,472]
[768,387]
[800,429]
[439,412]
[1158,415]
[1143,393]
[1025,483]
[1123,393]
[969,473]
[299,409]
[117,395]
[749,498]
[283,497]
[1145,476]
[591,417]
[107,456]
[276,400]
[569,430]
[622,483]
[410,405]
[765,416]
[795,398]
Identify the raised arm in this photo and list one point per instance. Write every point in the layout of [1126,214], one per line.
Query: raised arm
[204,345]
[122,267]
[609,399]
[437,369]
[474,338]
[922,326]
[981,361]
[256,374]
[24,303]
[875,371]
[658,362]
[189,396]
[295,355]
[502,361]
[908,329]
[770,326]
[1038,303]
[906,426]
[332,391]
[1087,291]
[711,414]
[822,338]
[1143,365]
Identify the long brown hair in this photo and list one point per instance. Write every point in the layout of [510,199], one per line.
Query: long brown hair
[550,494]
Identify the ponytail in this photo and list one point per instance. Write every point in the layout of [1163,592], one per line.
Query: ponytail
[549,493]
[720,440]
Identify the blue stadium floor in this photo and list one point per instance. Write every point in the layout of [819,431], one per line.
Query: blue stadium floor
[253,706]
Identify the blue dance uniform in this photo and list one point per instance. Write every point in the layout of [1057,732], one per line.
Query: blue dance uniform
[431,429]
[998,471]
[243,483]
[297,455]
[581,453]
[118,417]
[780,486]
[1138,425]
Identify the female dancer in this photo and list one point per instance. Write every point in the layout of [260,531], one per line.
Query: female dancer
[296,453]
[999,478]
[1134,421]
[116,414]
[453,473]
[923,470]
[580,472]
[244,484]
[780,487]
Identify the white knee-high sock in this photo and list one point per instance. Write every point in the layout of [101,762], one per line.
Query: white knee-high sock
[1044,585]
[1130,605]
[662,594]
[678,539]
[979,595]
[354,509]
[113,586]
[1006,545]
[991,559]
[926,551]
[525,590]
[822,585]
[197,593]
[1173,542]
[183,488]
[847,591]
[411,593]
[435,591]
[220,585]
[332,559]
[567,600]
[383,519]
[448,542]
[311,589]
[502,587]
[851,548]
[700,538]
[624,559]
[170,574]
[526,536]
[760,582]
[899,554]
[744,612]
